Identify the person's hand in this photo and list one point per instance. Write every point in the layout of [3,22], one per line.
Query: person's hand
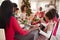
[34,28]
[37,27]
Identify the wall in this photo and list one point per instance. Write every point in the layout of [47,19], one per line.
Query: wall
[35,4]
[1,1]
[59,9]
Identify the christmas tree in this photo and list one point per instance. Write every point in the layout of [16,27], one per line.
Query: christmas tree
[27,4]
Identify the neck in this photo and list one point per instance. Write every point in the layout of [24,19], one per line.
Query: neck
[24,12]
[49,20]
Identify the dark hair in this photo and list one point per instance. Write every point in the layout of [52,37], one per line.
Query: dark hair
[22,7]
[14,5]
[16,9]
[51,14]
[40,8]
[57,15]
[6,13]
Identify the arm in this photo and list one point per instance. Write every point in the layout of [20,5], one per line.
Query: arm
[46,34]
[17,27]
[49,30]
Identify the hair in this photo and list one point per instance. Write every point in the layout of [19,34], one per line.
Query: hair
[51,14]
[16,9]
[40,8]
[14,5]
[57,15]
[22,7]
[6,13]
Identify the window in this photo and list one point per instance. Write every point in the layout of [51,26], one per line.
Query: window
[34,6]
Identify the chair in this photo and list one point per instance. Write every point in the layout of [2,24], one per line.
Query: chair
[2,34]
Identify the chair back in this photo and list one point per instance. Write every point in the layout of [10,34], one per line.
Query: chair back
[2,34]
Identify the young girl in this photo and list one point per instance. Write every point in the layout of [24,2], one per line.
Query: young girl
[46,33]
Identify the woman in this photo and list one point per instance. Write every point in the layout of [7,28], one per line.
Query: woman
[9,22]
[46,33]
[16,13]
[15,10]
[40,14]
[56,21]
[23,12]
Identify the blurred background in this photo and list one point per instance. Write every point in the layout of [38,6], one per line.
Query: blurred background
[35,4]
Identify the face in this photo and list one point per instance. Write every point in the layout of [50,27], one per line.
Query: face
[24,8]
[16,11]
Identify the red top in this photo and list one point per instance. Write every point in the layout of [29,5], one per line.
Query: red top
[40,14]
[56,27]
[55,30]
[14,26]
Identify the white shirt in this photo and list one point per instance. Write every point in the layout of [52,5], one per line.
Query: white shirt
[23,15]
[49,31]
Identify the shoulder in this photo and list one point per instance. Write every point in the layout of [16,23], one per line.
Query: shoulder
[12,18]
[50,25]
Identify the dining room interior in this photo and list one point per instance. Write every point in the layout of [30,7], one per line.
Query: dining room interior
[30,20]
